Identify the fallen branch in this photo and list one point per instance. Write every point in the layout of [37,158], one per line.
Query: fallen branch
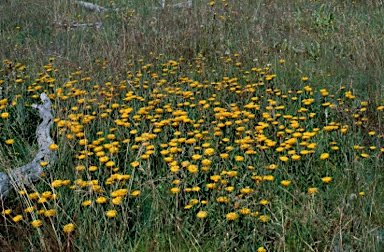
[97,25]
[29,173]
[94,7]
[187,4]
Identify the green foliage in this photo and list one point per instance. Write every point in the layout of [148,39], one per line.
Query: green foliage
[231,125]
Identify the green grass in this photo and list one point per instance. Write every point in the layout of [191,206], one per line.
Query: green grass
[196,109]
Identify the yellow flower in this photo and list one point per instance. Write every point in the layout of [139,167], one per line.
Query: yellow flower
[230,188]
[117,200]
[92,168]
[175,168]
[295,157]
[110,164]
[69,228]
[285,182]
[196,157]
[324,156]
[261,249]
[46,194]
[246,190]
[119,193]
[53,147]
[56,183]
[29,209]
[42,200]
[101,200]
[239,158]
[215,178]
[104,159]
[196,189]
[231,216]
[135,164]
[17,218]
[264,218]
[312,190]
[193,169]
[80,168]
[36,223]
[5,115]
[206,162]
[34,196]
[284,158]
[271,167]
[245,211]
[86,203]
[175,190]
[212,3]
[7,211]
[10,141]
[135,193]
[50,212]
[264,202]
[201,214]
[209,151]
[326,179]
[111,213]
[304,78]
[211,186]
[268,178]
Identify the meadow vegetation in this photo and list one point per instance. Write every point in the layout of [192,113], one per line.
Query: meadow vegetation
[226,126]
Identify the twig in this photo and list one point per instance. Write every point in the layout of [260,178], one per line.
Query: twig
[97,25]
[31,172]
[178,5]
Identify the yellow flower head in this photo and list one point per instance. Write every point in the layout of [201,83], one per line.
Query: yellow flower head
[10,141]
[101,200]
[135,164]
[231,216]
[285,182]
[135,193]
[312,190]
[324,156]
[111,213]
[326,179]
[36,223]
[17,218]
[175,190]
[5,115]
[86,203]
[53,147]
[69,228]
[201,214]
[209,151]
[264,218]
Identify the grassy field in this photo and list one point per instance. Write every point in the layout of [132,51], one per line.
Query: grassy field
[223,126]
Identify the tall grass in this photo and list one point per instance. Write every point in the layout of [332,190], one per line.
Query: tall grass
[227,126]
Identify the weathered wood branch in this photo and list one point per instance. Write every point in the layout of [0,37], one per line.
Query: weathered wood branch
[31,172]
[187,4]
[97,25]
[94,7]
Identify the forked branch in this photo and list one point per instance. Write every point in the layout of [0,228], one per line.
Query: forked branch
[31,172]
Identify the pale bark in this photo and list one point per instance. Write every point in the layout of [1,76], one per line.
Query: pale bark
[31,172]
